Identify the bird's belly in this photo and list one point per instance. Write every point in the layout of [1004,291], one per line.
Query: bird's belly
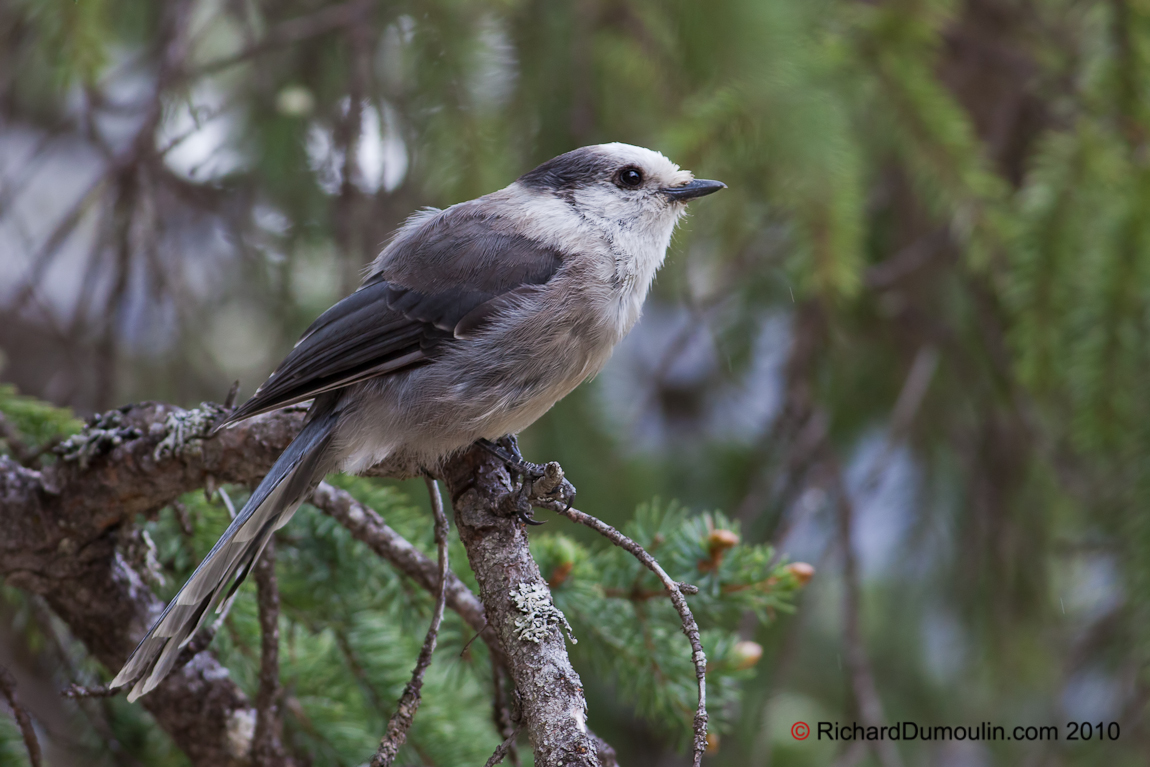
[481,390]
[510,397]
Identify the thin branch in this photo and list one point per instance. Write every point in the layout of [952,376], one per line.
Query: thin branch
[908,260]
[349,205]
[906,407]
[8,690]
[292,31]
[353,663]
[862,678]
[607,756]
[267,747]
[50,248]
[107,347]
[404,715]
[79,692]
[674,588]
[505,722]
[365,525]
[503,748]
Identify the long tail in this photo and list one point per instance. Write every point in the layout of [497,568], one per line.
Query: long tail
[299,469]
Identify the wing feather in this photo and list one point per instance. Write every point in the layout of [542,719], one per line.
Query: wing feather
[433,286]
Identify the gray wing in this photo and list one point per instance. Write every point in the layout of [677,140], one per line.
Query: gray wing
[438,284]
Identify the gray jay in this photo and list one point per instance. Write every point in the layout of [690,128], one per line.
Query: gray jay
[469,326]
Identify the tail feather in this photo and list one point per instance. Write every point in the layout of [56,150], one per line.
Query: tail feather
[299,469]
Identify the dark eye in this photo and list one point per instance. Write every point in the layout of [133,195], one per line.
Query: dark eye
[630,177]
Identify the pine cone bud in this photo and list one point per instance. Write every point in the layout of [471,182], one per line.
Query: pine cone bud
[747,654]
[721,540]
[560,573]
[718,541]
[802,572]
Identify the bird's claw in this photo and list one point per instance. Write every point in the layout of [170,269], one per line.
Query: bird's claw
[536,482]
[527,517]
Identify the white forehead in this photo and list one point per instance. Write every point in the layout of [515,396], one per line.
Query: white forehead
[654,163]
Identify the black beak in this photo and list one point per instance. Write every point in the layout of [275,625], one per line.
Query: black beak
[700,187]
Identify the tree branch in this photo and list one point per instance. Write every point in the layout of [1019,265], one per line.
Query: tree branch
[552,705]
[404,715]
[8,692]
[267,744]
[291,31]
[502,749]
[862,678]
[58,535]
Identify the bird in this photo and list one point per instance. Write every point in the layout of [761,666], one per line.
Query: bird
[472,322]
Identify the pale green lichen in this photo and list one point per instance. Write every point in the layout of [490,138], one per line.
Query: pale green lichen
[540,615]
[185,430]
[102,433]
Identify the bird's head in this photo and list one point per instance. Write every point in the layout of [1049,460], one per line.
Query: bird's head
[632,187]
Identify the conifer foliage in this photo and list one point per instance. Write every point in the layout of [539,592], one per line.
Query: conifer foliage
[907,344]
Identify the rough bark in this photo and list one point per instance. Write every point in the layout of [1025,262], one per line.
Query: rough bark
[59,529]
[551,700]
[58,533]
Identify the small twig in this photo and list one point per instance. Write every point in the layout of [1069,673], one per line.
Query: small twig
[404,715]
[607,756]
[49,446]
[197,645]
[25,454]
[639,595]
[286,33]
[506,721]
[906,407]
[233,395]
[51,245]
[690,627]
[8,690]
[267,749]
[908,260]
[76,692]
[182,518]
[474,636]
[201,640]
[367,526]
[503,748]
[357,671]
[231,507]
[99,713]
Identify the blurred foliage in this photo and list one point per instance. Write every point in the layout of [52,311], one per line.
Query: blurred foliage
[628,629]
[966,179]
[35,421]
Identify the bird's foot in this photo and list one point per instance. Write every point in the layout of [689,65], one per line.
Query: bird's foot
[537,481]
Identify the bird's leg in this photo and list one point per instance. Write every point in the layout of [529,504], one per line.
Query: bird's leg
[547,478]
[507,451]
